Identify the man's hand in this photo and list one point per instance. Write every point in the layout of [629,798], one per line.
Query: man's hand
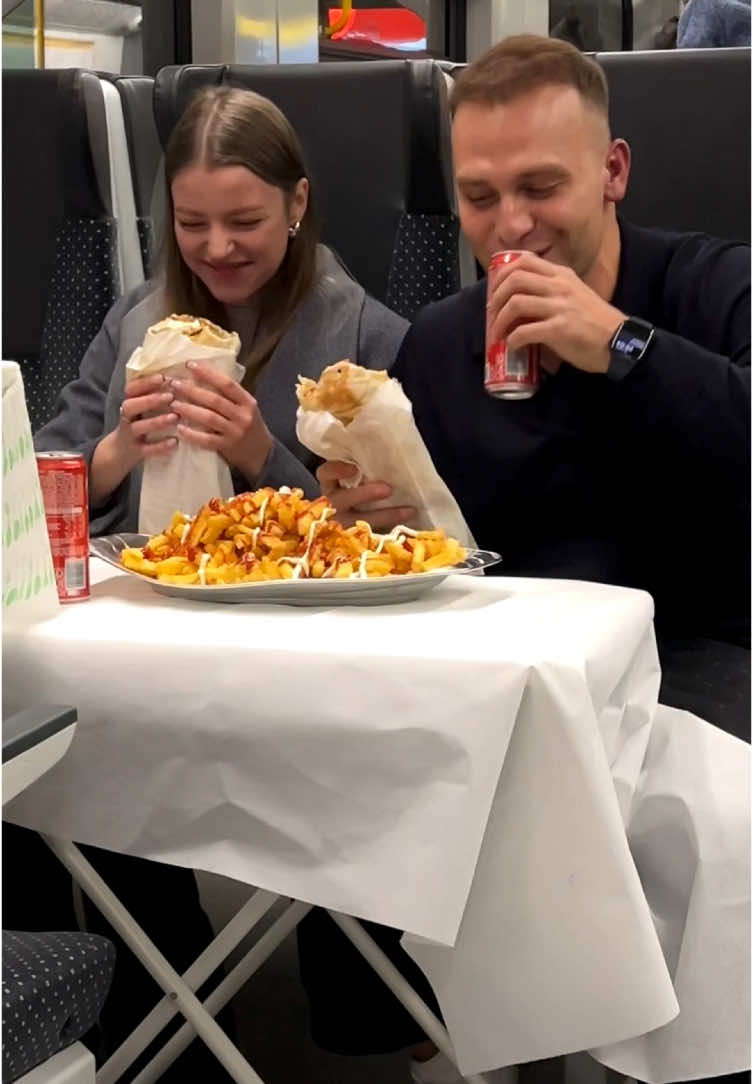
[349,502]
[535,301]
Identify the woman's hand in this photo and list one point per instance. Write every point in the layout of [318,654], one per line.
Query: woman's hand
[349,502]
[118,453]
[138,436]
[227,418]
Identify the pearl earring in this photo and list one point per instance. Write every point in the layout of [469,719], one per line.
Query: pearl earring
[293,231]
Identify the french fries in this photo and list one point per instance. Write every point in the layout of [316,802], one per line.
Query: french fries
[276,534]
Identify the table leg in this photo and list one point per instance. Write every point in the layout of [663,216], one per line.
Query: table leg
[158,967]
[179,990]
[213,955]
[237,978]
[403,991]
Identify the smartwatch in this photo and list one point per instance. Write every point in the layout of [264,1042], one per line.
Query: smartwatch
[629,343]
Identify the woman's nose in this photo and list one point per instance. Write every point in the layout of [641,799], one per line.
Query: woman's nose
[219,243]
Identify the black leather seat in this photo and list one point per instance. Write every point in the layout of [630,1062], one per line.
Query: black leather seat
[59,236]
[686,115]
[376,141]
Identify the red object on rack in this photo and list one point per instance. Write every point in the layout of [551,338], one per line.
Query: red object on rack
[397,28]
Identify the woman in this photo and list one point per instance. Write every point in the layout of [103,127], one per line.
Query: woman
[243,252]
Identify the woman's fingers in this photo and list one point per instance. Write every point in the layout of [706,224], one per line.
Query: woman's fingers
[189,394]
[210,441]
[225,385]
[204,416]
[134,406]
[144,385]
[159,447]
[148,427]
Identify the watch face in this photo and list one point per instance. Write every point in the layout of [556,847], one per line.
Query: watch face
[632,339]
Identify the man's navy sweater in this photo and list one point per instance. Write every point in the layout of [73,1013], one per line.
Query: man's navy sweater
[642,482]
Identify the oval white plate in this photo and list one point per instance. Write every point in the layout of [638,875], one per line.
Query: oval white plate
[370,592]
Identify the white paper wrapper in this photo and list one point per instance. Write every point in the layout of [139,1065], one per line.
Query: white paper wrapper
[384,444]
[189,476]
[29,588]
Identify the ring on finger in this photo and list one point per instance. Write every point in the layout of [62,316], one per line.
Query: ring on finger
[123,416]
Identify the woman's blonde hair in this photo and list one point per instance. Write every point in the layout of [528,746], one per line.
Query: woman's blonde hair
[223,126]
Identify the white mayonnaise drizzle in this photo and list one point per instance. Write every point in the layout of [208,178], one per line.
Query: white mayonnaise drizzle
[205,558]
[397,534]
[301,563]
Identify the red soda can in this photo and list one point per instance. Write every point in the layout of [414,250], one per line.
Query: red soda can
[63,479]
[509,374]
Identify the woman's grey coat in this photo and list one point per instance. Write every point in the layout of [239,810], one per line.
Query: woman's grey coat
[337,320]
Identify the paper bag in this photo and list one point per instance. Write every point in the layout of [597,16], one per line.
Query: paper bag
[29,589]
[383,442]
[189,476]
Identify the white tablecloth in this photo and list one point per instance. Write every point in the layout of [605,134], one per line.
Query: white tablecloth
[461,767]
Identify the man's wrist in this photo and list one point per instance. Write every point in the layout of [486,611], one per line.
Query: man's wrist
[628,346]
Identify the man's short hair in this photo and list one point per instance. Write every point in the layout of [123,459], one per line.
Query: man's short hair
[525,62]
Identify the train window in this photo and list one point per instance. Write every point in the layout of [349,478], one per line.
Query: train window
[592,25]
[101,34]
[18,35]
[371,29]
[613,25]
[655,23]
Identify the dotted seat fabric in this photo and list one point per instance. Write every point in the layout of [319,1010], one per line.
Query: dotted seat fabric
[147,241]
[424,266]
[83,287]
[54,987]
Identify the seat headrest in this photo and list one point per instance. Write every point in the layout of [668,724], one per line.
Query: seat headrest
[144,149]
[48,176]
[342,105]
[174,86]
[686,115]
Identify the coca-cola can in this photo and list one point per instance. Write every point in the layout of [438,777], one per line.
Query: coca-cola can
[508,374]
[65,492]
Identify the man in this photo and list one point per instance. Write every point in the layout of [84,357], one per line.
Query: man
[626,467]
[630,465]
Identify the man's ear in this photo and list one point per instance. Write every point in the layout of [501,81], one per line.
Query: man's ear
[617,171]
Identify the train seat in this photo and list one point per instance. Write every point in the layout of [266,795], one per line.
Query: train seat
[686,115]
[69,241]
